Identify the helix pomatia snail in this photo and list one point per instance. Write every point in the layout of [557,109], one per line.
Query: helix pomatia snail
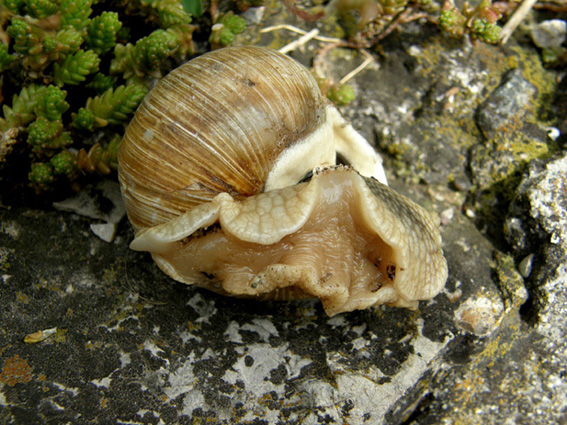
[209,170]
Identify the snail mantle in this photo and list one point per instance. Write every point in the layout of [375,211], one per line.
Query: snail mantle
[212,171]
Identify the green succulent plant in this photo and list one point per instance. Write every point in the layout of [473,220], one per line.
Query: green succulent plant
[480,22]
[75,74]
[226,28]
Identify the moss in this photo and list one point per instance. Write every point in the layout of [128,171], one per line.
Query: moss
[37,61]
[404,158]
[332,28]
[60,336]
[510,281]
[499,166]
[433,53]
[543,79]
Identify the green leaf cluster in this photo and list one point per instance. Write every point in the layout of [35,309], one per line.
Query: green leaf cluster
[6,59]
[39,9]
[75,13]
[102,31]
[166,13]
[34,101]
[38,48]
[100,158]
[56,47]
[193,7]
[341,94]
[75,68]
[112,107]
[46,135]
[43,174]
[226,28]
[170,13]
[480,22]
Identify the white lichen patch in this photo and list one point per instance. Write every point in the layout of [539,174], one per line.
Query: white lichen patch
[232,333]
[187,336]
[125,359]
[126,314]
[252,376]
[143,412]
[102,383]
[338,321]
[154,349]
[263,327]
[359,343]
[361,390]
[182,380]
[256,363]
[204,308]
[61,387]
[193,400]
[54,405]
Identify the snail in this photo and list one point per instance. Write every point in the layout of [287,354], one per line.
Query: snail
[228,172]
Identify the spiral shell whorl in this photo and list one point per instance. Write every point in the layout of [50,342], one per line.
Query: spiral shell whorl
[216,124]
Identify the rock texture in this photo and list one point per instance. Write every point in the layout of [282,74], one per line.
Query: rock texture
[94,333]
[131,345]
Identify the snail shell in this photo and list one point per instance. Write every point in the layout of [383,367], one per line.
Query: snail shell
[209,170]
[239,120]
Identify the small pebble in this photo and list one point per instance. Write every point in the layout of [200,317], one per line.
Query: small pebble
[446,216]
[105,231]
[525,266]
[549,34]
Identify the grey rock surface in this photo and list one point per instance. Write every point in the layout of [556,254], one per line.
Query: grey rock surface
[549,34]
[507,105]
[520,378]
[541,209]
[119,342]
[131,345]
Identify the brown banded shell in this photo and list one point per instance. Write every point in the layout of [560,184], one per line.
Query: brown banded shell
[213,126]
[209,170]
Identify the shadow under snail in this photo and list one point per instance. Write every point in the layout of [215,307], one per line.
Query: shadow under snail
[211,171]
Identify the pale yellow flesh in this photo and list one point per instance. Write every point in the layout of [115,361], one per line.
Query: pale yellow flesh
[330,257]
[330,247]
[344,239]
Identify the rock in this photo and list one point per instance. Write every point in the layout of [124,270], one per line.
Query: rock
[537,228]
[549,34]
[105,231]
[523,381]
[135,346]
[506,106]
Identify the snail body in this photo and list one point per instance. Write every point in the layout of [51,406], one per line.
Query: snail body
[210,169]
